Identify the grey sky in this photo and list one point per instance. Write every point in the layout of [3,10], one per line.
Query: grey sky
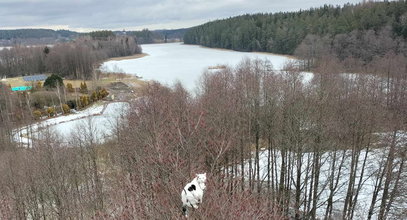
[85,15]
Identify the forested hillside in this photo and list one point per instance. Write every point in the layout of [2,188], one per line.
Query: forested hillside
[360,31]
[36,33]
[48,36]
[35,36]
[146,36]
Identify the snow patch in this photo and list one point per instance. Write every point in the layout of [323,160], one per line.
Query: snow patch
[102,117]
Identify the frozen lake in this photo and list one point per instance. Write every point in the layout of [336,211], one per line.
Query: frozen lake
[170,62]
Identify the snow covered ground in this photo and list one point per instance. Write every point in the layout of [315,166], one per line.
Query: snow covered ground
[170,62]
[375,161]
[2,48]
[101,117]
[364,198]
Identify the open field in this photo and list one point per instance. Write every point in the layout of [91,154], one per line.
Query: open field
[104,81]
[15,81]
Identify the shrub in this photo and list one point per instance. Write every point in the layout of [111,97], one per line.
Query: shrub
[84,100]
[38,85]
[84,88]
[53,81]
[43,98]
[46,50]
[51,111]
[69,87]
[103,93]
[94,97]
[66,108]
[71,104]
[37,114]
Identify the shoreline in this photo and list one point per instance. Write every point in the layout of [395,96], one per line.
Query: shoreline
[135,56]
[258,52]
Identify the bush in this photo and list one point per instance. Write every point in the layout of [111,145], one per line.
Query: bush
[84,100]
[69,87]
[38,85]
[51,111]
[103,93]
[53,81]
[94,97]
[37,114]
[71,104]
[66,108]
[84,88]
[43,98]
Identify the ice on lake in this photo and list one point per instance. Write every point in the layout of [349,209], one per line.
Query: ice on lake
[168,63]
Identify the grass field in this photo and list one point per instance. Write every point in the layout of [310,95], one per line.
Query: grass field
[104,81]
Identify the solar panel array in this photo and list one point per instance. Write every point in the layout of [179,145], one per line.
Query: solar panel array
[34,78]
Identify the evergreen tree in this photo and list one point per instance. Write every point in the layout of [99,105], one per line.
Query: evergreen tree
[53,81]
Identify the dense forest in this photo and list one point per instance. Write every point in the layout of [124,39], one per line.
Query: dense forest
[361,31]
[146,36]
[36,33]
[35,36]
[76,59]
[48,36]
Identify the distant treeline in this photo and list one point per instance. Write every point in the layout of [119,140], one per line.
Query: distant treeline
[75,59]
[36,33]
[35,36]
[48,36]
[378,27]
[146,36]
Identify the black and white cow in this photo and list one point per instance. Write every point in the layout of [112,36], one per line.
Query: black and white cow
[192,193]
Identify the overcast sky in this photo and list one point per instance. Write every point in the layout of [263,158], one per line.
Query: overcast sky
[86,15]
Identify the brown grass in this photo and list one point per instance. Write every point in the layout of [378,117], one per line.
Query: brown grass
[16,81]
[104,81]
